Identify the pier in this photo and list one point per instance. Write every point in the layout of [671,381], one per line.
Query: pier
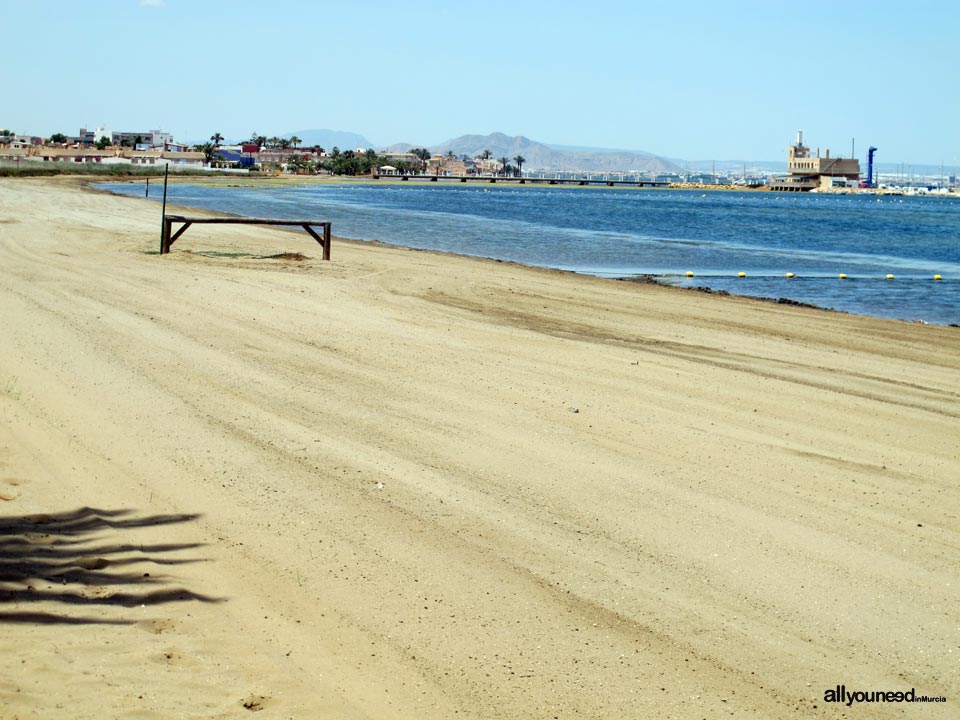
[493,179]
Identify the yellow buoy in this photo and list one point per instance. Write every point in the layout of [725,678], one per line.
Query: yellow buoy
[889,277]
[937,277]
[689,274]
[842,276]
[789,275]
[741,274]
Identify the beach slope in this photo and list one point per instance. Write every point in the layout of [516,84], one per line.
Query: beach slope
[408,485]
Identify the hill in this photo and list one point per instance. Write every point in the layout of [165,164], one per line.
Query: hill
[540,156]
[328,139]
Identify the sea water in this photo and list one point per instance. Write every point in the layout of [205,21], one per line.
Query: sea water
[630,232]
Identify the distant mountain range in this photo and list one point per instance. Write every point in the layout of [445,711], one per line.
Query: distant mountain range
[540,156]
[544,157]
[329,139]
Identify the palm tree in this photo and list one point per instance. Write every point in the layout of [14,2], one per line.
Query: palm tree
[216,138]
[520,160]
[295,141]
[503,164]
[207,150]
[296,162]
[483,157]
[273,143]
[284,144]
[422,154]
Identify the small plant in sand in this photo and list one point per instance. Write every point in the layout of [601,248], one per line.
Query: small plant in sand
[11,388]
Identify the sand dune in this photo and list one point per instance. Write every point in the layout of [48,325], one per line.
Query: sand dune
[408,485]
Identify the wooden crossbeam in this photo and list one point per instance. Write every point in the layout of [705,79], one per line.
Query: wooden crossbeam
[168,237]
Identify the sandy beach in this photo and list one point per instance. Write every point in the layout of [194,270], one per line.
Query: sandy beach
[402,484]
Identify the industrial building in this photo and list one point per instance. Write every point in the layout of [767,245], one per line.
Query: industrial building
[805,173]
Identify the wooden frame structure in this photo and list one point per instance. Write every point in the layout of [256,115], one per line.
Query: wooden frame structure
[168,237]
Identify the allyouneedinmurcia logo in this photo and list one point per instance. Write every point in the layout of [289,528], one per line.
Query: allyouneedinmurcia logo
[840,694]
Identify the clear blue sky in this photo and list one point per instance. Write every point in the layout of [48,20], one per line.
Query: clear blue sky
[685,79]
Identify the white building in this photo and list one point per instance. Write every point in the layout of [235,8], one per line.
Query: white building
[90,137]
[143,139]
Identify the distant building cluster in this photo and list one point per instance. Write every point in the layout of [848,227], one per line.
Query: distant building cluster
[806,171]
[101,146]
[463,165]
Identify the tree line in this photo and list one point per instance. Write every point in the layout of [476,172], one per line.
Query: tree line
[348,162]
[506,169]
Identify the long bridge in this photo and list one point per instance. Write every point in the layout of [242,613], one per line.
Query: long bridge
[587,180]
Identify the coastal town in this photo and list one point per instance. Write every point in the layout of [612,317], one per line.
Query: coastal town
[105,150]
[102,147]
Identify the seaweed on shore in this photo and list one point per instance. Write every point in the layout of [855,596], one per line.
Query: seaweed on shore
[777,300]
[650,279]
[797,303]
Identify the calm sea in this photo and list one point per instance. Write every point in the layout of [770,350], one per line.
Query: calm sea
[666,233]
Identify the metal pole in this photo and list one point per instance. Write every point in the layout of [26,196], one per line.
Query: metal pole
[163,214]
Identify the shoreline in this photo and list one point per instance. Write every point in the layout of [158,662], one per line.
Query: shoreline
[411,484]
[665,279]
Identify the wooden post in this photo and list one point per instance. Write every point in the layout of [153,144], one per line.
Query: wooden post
[147,193]
[326,241]
[164,226]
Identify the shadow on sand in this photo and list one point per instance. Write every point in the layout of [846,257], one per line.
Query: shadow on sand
[64,562]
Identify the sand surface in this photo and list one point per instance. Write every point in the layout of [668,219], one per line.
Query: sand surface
[408,485]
